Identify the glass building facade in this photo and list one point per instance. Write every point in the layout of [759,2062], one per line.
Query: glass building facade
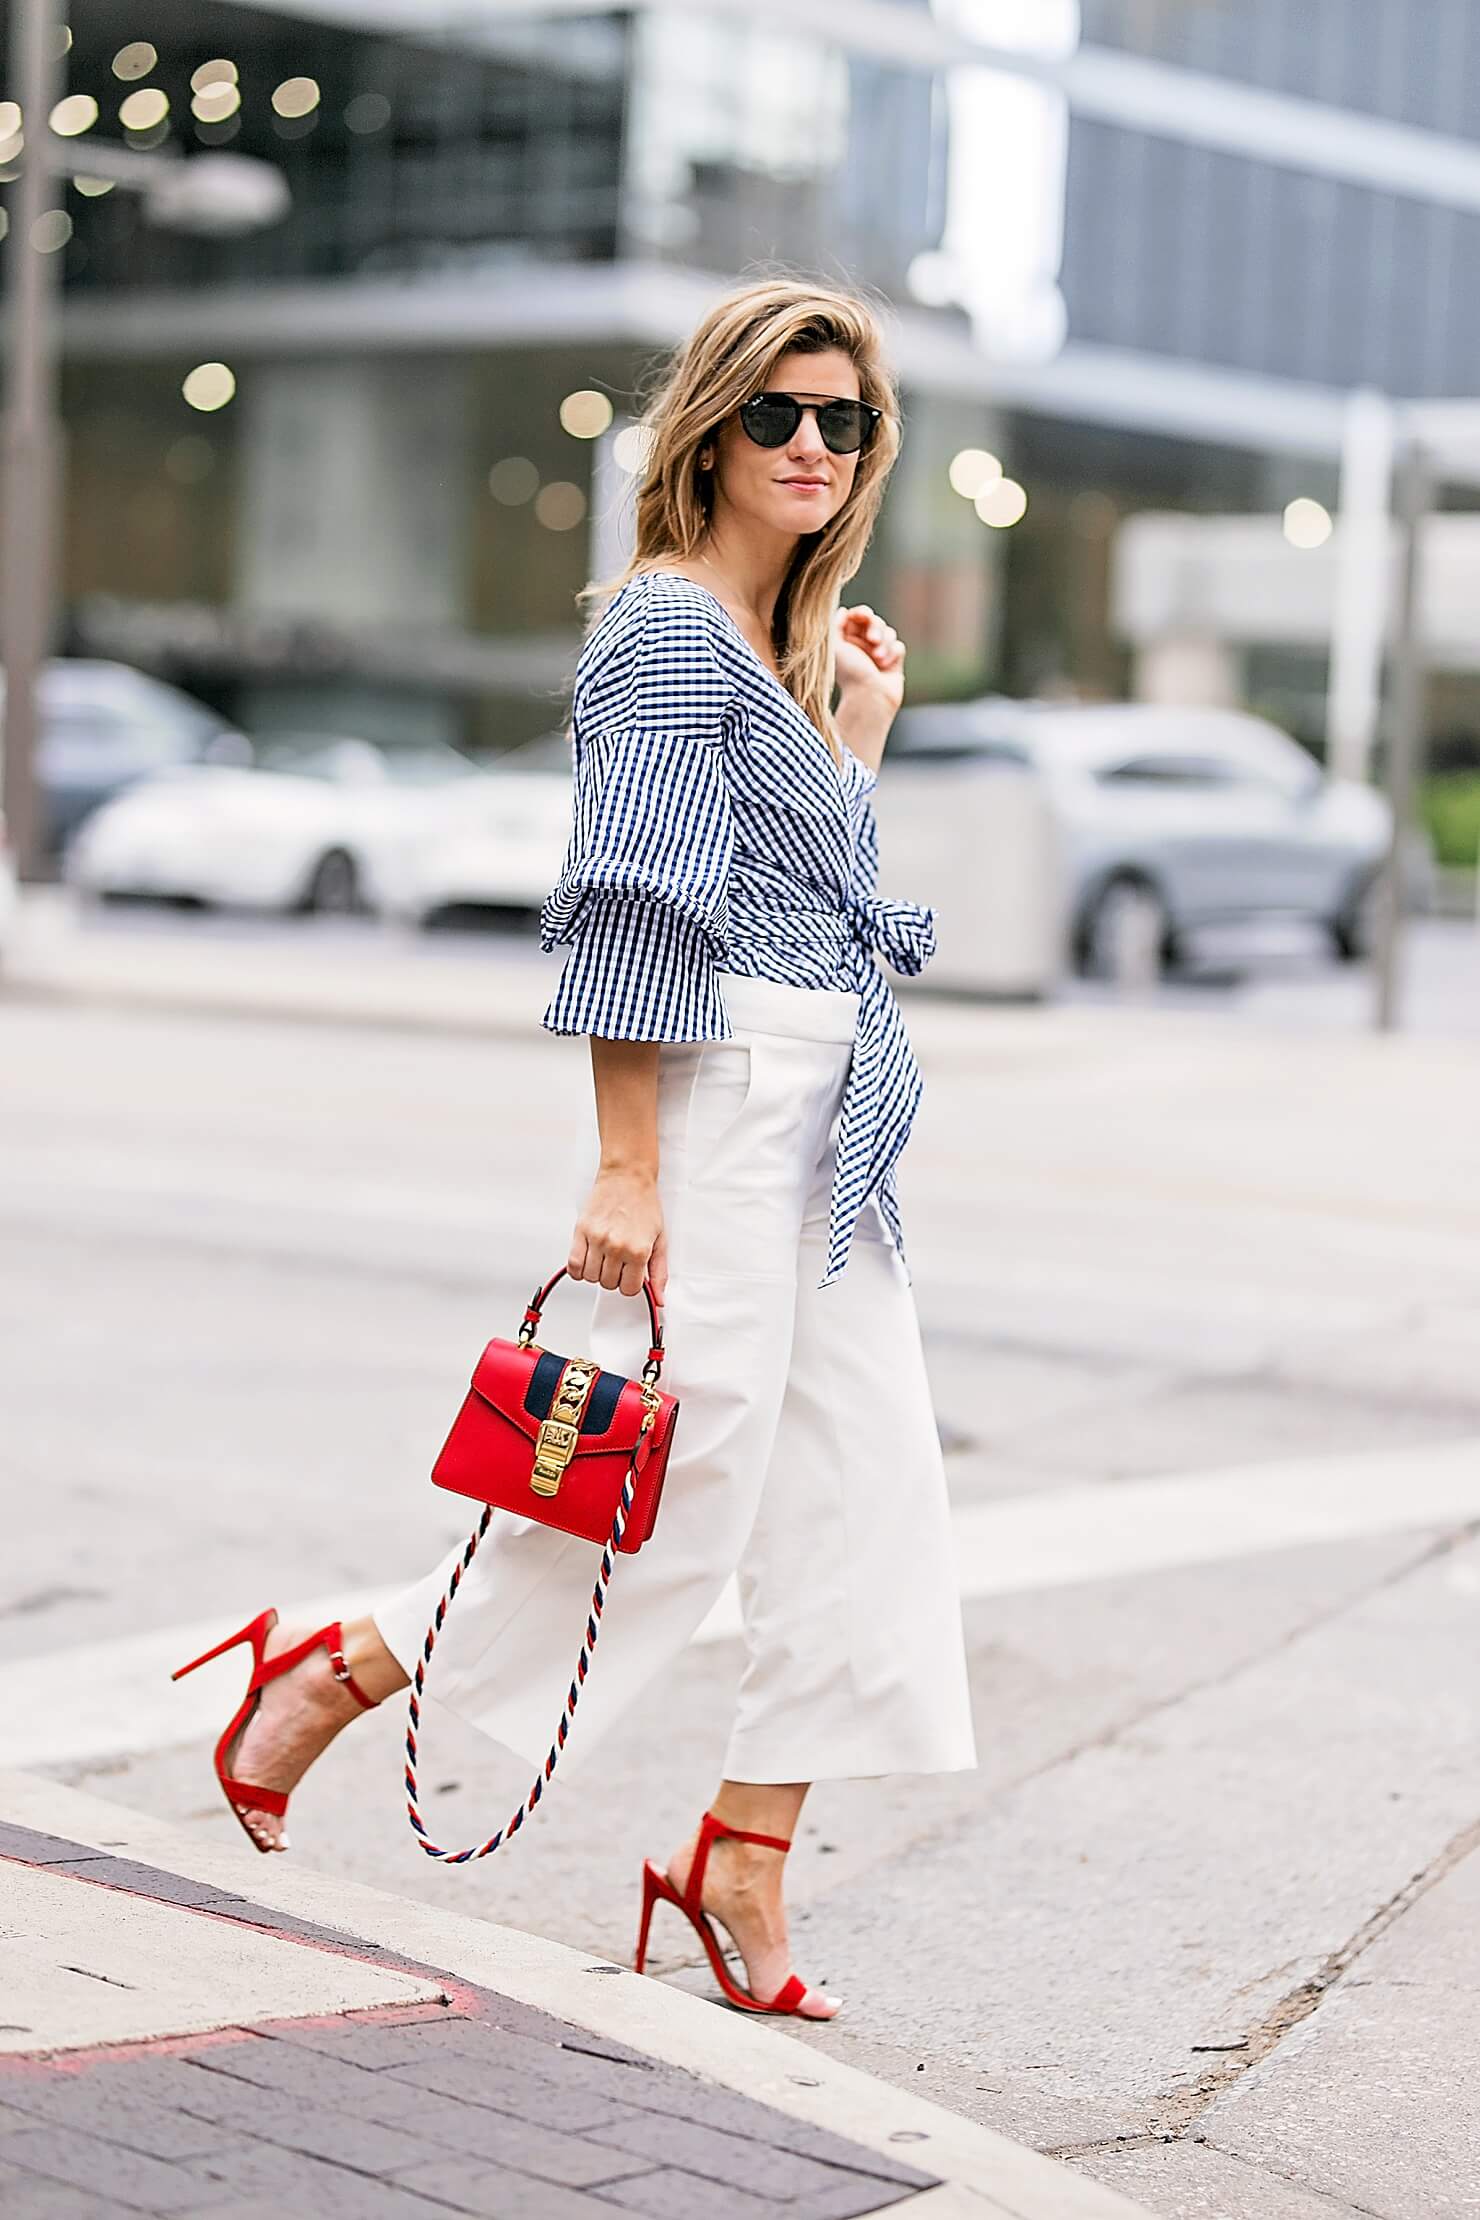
[484,214]
[490,212]
[1210,257]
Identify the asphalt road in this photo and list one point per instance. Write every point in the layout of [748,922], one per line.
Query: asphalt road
[1202,1305]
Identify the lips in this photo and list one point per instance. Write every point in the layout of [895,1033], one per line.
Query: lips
[810,485]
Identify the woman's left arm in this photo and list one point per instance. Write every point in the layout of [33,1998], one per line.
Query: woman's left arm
[869,658]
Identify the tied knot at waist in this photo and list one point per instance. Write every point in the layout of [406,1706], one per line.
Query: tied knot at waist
[903,933]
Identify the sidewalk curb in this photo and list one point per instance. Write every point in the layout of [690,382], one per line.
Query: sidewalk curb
[983,2174]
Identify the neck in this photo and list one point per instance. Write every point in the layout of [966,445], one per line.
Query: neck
[752,576]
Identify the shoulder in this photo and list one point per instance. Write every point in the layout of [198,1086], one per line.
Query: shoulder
[653,652]
[655,612]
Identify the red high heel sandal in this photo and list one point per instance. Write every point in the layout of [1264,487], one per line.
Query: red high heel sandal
[241,1795]
[657,1885]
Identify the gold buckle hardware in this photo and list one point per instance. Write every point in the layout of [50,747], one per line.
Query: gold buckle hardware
[555,1443]
[552,1453]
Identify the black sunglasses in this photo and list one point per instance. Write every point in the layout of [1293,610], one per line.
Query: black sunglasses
[770,419]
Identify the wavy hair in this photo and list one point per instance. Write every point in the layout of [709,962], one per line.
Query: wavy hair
[730,356]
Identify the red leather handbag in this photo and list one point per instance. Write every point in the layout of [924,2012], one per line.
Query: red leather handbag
[559,1440]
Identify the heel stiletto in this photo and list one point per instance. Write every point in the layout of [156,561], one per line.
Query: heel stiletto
[241,1796]
[657,1888]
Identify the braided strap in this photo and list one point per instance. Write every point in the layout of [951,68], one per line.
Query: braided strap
[583,1662]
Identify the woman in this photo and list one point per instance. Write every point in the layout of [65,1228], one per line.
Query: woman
[753,1088]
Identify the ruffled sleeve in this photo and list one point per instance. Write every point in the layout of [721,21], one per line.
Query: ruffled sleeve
[642,899]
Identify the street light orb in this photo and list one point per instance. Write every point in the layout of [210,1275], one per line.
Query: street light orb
[367,112]
[209,386]
[1307,523]
[135,60]
[296,96]
[559,505]
[585,414]
[215,102]
[74,115]
[513,479]
[972,470]
[1002,504]
[51,231]
[145,109]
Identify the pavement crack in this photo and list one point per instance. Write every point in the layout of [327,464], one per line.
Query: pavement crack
[1342,2205]
[1180,2108]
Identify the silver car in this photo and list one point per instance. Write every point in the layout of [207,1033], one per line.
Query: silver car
[1174,819]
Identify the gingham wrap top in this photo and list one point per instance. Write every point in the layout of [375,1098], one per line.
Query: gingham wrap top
[713,831]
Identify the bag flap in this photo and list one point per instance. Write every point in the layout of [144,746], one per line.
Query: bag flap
[520,1385]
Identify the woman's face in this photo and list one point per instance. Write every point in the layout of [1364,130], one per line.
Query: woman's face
[800,486]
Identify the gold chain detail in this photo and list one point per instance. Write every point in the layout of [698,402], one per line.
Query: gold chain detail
[559,1433]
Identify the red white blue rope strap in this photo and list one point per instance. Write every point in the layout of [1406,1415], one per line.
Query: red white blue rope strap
[583,1662]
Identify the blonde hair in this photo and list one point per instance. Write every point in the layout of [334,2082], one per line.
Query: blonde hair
[729,357]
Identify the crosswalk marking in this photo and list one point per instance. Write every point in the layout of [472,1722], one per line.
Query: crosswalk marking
[115,1699]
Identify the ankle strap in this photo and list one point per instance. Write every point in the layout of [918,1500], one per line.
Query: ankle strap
[739,1834]
[712,1830]
[331,1638]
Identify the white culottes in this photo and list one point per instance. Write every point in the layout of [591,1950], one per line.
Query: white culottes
[806,1458]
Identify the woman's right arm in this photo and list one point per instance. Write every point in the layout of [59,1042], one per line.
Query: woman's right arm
[619,1238]
[642,903]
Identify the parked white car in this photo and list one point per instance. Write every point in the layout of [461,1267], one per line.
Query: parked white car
[1167,820]
[296,831]
[497,845]
[102,726]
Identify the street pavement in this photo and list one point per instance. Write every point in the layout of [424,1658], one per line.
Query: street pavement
[181,2047]
[1202,1305]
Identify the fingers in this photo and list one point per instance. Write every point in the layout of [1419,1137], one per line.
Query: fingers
[613,1265]
[869,631]
[657,1270]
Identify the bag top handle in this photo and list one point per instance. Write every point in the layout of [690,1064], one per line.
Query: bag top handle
[538,1299]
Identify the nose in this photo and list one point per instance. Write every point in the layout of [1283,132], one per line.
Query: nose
[807,445]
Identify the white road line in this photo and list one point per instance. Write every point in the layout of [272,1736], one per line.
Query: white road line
[115,1699]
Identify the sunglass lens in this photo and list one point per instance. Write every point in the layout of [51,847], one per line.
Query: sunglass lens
[844,426]
[770,418]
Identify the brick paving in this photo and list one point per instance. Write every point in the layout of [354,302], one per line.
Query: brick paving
[482,2105]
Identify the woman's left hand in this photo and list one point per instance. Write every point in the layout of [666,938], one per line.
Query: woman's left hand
[869,659]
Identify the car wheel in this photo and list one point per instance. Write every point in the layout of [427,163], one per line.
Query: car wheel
[333,889]
[1353,929]
[1127,934]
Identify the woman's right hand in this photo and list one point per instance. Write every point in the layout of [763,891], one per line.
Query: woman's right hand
[619,1239]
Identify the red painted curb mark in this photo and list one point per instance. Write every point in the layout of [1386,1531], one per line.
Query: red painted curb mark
[363,1953]
[31,2065]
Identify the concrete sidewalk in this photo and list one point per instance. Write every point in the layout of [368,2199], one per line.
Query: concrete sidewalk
[191,2029]
[67,952]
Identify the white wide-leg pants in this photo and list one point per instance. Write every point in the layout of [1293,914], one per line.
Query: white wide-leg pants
[806,1458]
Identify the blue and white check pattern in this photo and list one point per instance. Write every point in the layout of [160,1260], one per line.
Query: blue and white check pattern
[713,831]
